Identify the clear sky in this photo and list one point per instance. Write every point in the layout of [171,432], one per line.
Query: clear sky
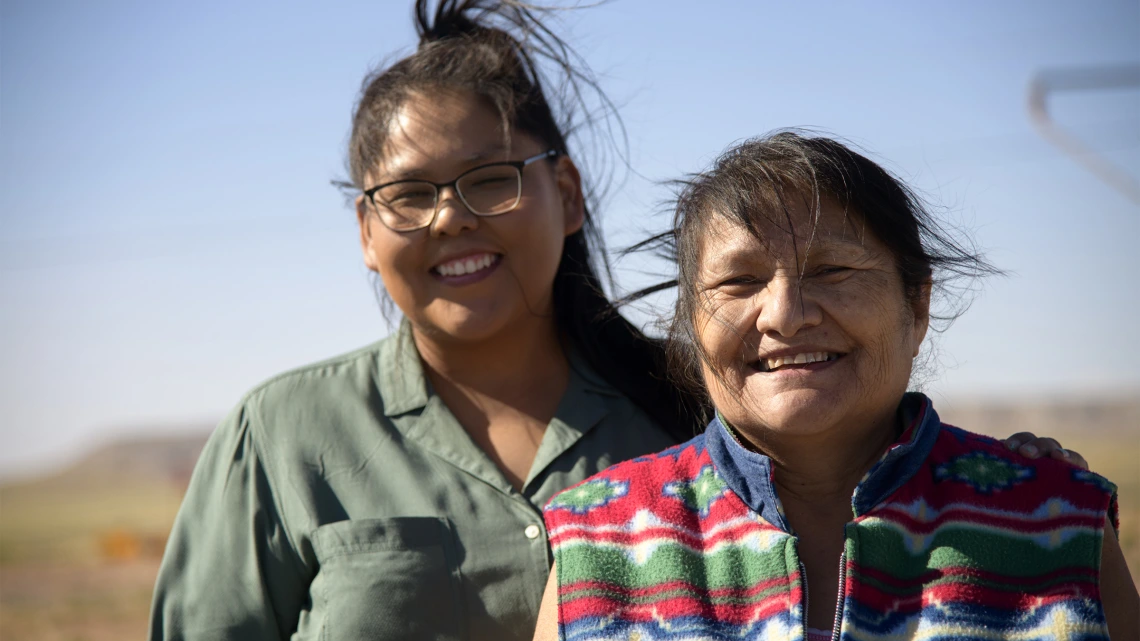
[169,238]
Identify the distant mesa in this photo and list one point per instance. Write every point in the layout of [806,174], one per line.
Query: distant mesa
[136,459]
[115,504]
[1075,417]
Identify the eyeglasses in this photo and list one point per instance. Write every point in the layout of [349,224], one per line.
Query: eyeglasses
[486,190]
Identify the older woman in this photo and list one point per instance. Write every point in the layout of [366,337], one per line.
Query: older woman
[805,275]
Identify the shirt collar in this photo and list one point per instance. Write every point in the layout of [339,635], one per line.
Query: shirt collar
[403,384]
[582,408]
[405,388]
[749,474]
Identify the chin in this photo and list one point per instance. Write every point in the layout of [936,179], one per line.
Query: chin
[466,323]
[801,411]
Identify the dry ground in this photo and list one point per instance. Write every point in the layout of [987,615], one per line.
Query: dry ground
[97,602]
[78,560]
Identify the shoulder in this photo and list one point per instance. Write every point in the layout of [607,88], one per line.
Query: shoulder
[333,385]
[622,429]
[353,369]
[305,405]
[637,476]
[986,466]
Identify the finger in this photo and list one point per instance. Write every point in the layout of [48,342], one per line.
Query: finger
[1019,439]
[1040,446]
[1072,457]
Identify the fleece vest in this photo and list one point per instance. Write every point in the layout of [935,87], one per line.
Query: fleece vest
[952,536]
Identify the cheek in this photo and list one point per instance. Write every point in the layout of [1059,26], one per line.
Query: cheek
[543,244]
[720,328]
[534,239]
[722,383]
[717,389]
[866,310]
[540,223]
[397,265]
[886,328]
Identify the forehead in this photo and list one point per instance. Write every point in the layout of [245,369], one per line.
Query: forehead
[437,130]
[787,236]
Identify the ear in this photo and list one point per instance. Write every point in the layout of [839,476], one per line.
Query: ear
[570,192]
[364,221]
[922,314]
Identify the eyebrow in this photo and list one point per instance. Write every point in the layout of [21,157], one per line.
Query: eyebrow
[833,243]
[468,161]
[738,255]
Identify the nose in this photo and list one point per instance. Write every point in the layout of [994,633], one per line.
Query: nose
[451,215]
[786,308]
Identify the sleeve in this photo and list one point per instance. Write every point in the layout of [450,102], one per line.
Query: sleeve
[230,570]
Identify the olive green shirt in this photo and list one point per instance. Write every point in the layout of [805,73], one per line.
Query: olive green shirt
[344,501]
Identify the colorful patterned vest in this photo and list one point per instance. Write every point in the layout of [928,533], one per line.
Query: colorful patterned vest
[953,537]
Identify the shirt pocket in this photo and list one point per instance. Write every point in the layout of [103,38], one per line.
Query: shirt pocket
[394,578]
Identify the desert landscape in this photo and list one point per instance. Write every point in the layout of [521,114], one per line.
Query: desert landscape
[79,549]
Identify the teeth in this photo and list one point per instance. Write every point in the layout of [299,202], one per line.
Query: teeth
[805,358]
[464,266]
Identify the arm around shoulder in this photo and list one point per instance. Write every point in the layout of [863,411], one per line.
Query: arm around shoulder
[1117,590]
[230,570]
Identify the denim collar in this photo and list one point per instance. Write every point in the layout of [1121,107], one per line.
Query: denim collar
[749,473]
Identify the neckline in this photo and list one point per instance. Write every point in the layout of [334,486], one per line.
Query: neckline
[750,474]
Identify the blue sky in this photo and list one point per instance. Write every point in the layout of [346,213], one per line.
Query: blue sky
[169,238]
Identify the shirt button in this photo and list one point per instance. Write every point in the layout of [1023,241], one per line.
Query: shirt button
[532,531]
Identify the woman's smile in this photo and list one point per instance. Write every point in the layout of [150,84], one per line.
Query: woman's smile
[467,269]
[795,361]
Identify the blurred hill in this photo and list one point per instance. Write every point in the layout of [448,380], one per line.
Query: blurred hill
[79,547]
[168,459]
[1098,418]
[129,485]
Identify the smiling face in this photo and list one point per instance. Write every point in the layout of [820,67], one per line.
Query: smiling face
[466,277]
[805,332]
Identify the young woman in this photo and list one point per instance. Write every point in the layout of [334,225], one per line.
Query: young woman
[395,492]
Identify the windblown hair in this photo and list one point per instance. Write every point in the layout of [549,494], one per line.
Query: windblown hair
[470,46]
[758,180]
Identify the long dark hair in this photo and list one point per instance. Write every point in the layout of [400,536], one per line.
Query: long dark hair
[468,45]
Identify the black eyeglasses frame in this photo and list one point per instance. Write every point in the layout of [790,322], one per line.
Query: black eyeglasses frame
[519,165]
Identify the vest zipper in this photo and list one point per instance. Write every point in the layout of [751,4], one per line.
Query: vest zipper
[839,598]
[803,580]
